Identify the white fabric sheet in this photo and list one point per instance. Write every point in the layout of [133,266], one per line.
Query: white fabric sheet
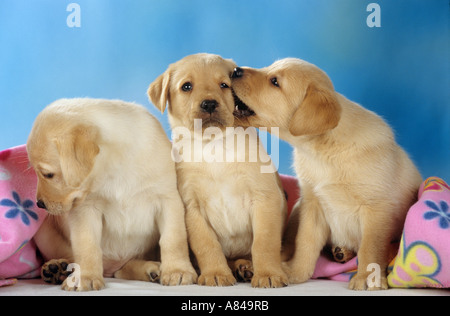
[117,287]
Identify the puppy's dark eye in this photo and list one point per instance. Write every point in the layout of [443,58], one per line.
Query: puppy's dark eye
[186,87]
[274,81]
[49,175]
[223,85]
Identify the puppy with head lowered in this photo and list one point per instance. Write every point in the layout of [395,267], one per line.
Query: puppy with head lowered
[234,208]
[106,178]
[356,183]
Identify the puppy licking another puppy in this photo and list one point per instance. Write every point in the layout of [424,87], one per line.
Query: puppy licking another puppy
[356,183]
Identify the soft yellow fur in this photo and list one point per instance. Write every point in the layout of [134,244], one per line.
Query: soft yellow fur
[108,182]
[356,182]
[232,209]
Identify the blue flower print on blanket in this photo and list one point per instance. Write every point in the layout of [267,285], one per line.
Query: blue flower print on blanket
[19,209]
[441,212]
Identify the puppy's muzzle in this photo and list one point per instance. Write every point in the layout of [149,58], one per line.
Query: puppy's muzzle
[209,106]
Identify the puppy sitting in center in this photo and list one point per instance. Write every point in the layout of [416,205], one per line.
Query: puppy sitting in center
[107,180]
[235,208]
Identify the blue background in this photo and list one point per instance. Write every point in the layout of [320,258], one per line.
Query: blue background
[400,70]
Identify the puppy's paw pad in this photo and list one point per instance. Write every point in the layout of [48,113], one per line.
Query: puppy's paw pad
[153,276]
[243,271]
[55,271]
[153,272]
[342,255]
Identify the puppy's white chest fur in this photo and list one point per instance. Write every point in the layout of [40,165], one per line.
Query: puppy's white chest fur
[227,207]
[229,212]
[128,230]
[223,191]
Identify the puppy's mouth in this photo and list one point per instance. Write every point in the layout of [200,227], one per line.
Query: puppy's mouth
[240,108]
[212,121]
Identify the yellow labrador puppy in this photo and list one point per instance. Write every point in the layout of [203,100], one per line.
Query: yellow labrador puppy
[356,182]
[106,178]
[234,208]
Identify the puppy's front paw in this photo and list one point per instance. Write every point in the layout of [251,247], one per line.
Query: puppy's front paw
[270,280]
[55,271]
[140,270]
[216,279]
[85,283]
[360,283]
[296,275]
[179,277]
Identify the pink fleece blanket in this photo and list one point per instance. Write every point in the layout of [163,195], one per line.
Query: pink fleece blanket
[423,258]
[19,217]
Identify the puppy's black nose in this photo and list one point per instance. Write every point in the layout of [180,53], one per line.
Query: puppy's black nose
[209,106]
[41,204]
[237,73]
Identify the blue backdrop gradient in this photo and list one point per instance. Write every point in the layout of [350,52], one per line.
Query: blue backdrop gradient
[400,70]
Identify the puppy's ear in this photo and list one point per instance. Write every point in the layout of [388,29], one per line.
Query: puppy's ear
[319,112]
[158,92]
[77,151]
